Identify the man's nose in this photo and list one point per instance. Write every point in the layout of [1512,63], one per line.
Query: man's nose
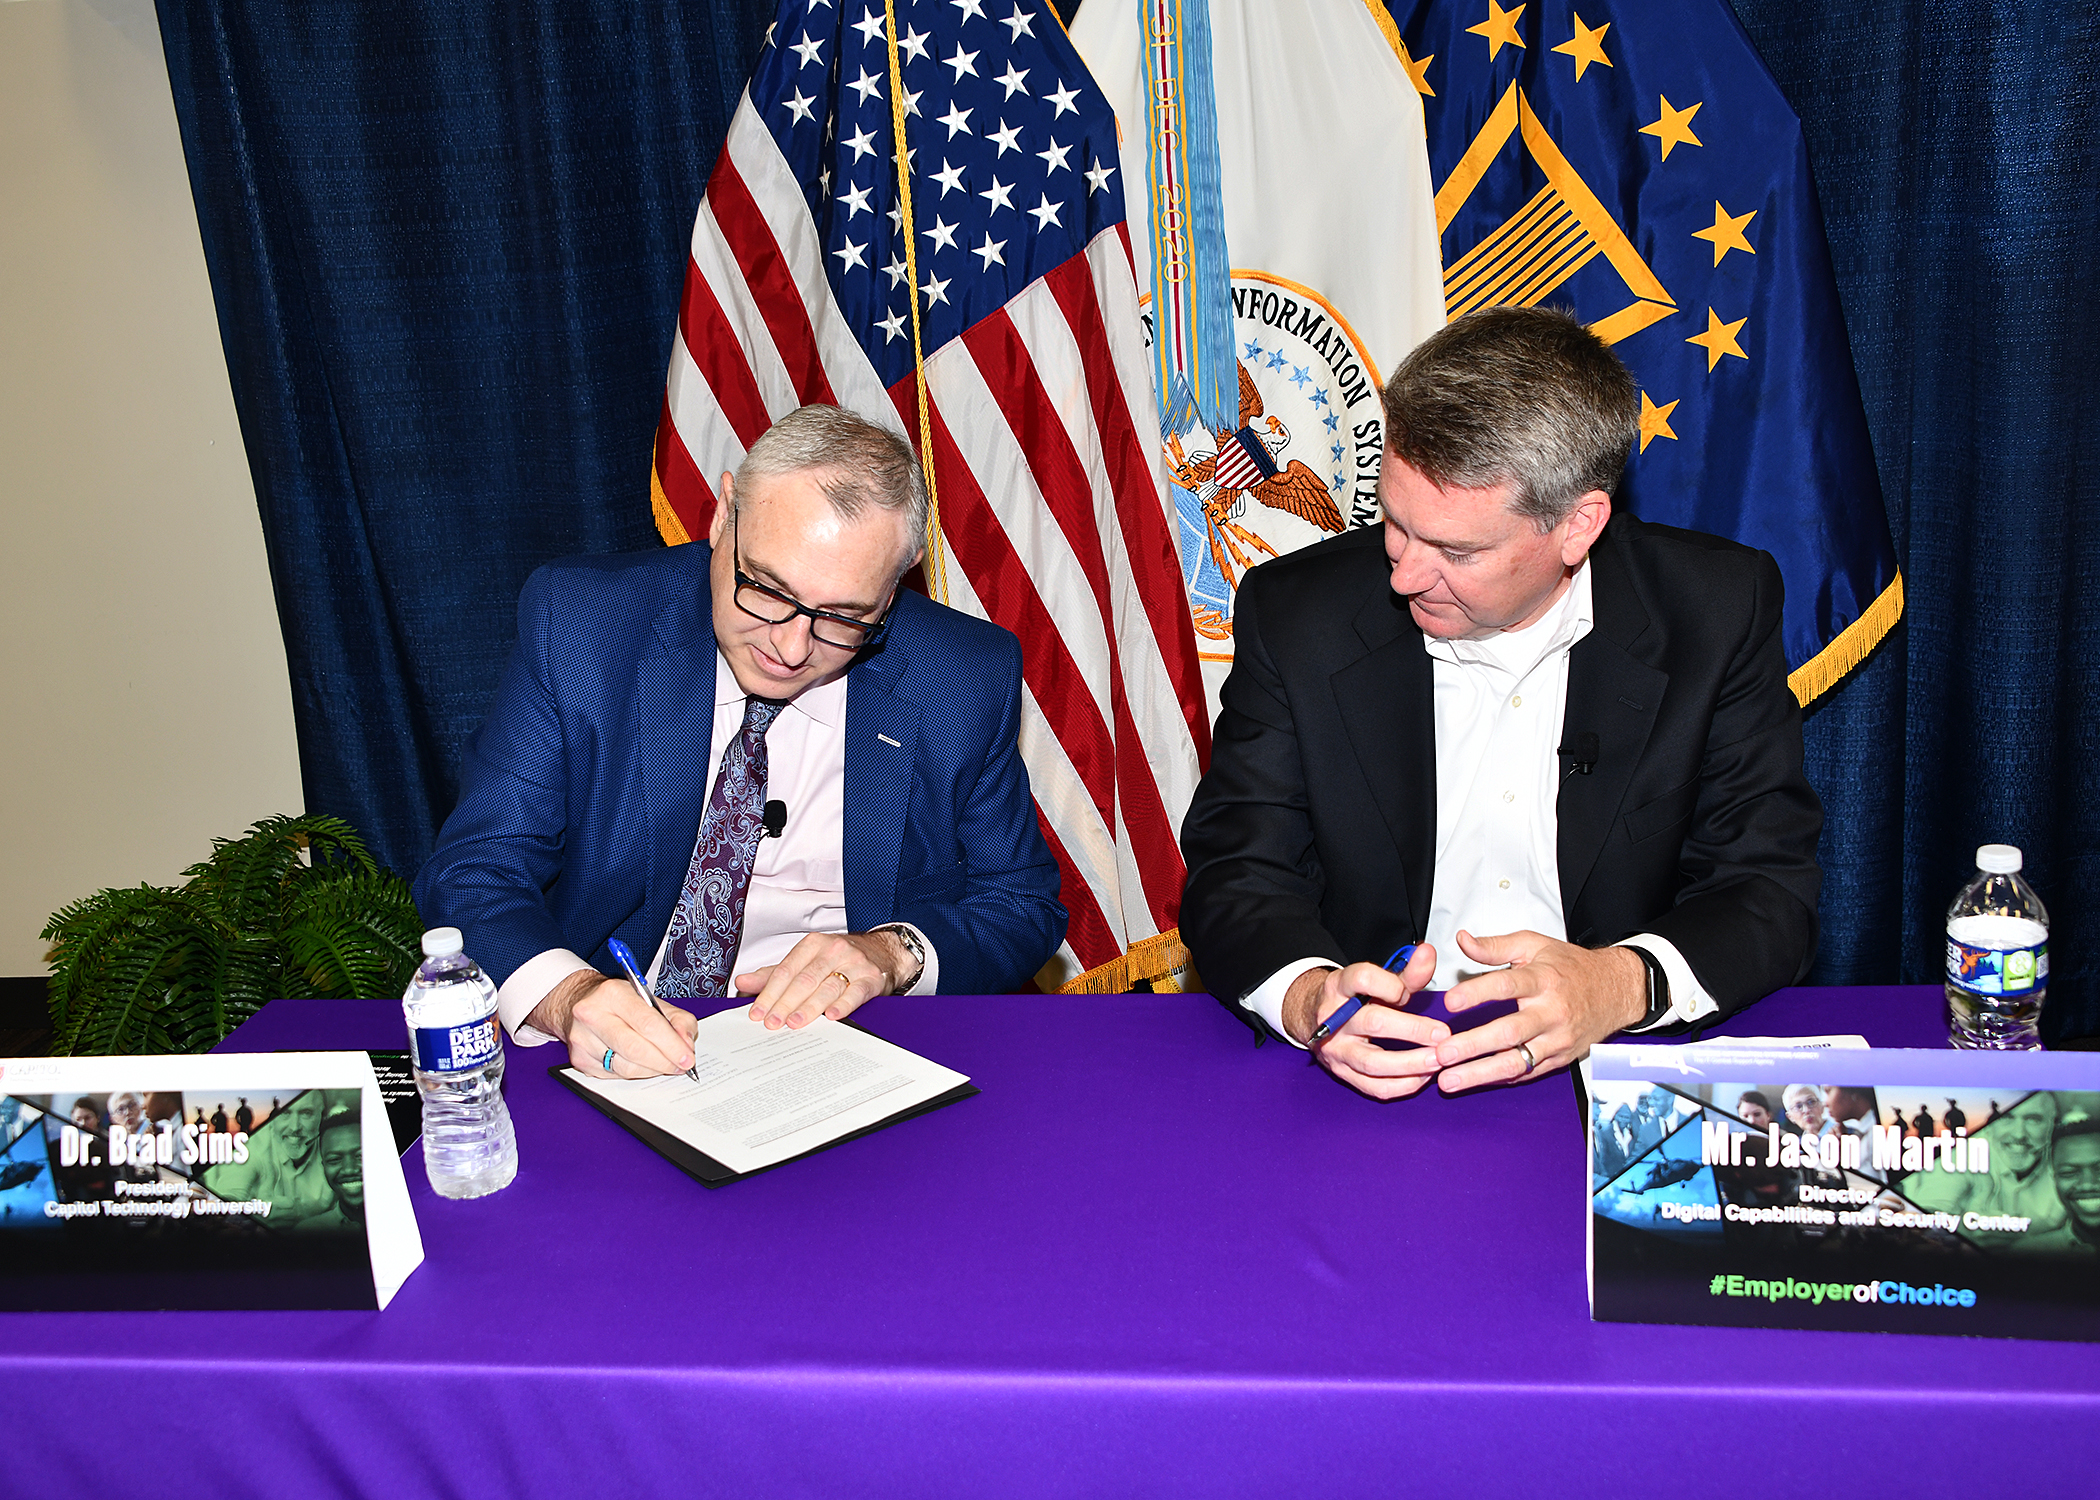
[792,641]
[1413,569]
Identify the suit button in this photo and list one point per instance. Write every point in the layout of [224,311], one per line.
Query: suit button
[1504,884]
[1509,796]
[1517,701]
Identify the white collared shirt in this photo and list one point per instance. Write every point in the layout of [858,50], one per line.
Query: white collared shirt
[1500,704]
[798,881]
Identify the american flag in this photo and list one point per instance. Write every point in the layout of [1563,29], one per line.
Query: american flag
[1053,516]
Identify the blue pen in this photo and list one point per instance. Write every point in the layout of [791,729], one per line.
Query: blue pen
[1355,1003]
[625,956]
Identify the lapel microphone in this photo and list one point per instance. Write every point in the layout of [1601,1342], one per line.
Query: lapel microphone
[1581,750]
[776,815]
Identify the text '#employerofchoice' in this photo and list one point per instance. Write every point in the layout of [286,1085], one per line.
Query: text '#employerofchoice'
[1788,1288]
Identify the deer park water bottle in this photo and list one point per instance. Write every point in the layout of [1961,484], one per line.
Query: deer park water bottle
[469,1148]
[1997,956]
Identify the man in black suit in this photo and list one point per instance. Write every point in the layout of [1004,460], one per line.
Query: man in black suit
[1639,844]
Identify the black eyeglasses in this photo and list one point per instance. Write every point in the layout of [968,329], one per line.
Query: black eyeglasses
[842,632]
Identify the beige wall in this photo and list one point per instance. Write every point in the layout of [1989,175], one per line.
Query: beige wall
[142,674]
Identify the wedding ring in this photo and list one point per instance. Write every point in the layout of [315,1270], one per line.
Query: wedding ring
[844,982]
[1530,1062]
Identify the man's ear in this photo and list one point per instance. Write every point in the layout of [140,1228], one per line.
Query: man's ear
[718,528]
[1585,523]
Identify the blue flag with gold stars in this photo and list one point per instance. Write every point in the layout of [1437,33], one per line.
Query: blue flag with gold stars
[1633,160]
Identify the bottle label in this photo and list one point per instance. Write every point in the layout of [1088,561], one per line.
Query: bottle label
[1997,971]
[453,1049]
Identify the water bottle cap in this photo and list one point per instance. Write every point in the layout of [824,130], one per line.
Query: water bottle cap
[1993,859]
[443,942]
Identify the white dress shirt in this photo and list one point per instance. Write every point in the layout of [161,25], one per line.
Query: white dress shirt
[1499,704]
[798,881]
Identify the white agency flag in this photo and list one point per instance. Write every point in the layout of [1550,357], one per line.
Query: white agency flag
[1291,258]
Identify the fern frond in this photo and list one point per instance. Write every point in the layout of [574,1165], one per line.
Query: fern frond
[129,979]
[154,970]
[248,880]
[353,932]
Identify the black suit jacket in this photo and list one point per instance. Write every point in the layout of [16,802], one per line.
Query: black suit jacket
[1314,831]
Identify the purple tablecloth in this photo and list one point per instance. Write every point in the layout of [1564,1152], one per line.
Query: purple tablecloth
[1148,1258]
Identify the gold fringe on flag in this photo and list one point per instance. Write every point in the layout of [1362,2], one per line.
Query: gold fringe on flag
[1827,668]
[668,526]
[1163,961]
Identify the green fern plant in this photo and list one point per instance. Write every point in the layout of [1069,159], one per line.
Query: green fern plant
[295,906]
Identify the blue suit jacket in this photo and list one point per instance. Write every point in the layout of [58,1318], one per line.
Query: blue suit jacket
[581,794]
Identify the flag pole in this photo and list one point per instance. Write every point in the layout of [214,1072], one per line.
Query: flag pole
[936,563]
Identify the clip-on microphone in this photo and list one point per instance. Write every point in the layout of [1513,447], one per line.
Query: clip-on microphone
[1581,750]
[773,819]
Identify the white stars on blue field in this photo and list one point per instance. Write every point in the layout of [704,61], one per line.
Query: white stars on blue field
[1025,151]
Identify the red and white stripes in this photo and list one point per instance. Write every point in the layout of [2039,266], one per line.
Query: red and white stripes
[1053,508]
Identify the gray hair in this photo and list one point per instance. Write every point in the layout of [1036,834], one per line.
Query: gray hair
[856,463]
[1522,396]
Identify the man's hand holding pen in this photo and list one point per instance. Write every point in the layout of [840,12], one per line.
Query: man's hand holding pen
[600,1017]
[1349,1053]
[1567,1000]
[616,1029]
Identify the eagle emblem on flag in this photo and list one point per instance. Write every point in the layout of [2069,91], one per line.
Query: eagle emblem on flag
[1247,461]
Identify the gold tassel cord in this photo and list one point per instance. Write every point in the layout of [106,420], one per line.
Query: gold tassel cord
[936,562]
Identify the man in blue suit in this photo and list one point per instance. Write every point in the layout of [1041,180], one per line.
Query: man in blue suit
[900,850]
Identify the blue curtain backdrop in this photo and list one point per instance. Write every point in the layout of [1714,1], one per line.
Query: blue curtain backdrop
[1954,149]
[447,242]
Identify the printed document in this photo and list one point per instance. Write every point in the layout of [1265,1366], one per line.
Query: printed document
[763,1096]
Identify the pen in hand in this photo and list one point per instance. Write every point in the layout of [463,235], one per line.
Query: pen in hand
[1349,1007]
[625,956]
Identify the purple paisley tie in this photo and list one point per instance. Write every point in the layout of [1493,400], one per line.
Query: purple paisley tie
[709,921]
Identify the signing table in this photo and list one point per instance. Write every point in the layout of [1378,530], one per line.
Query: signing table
[1150,1257]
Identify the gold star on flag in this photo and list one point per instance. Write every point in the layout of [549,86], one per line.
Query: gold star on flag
[1419,71]
[1727,233]
[1500,28]
[1655,421]
[1675,126]
[1719,339]
[1586,46]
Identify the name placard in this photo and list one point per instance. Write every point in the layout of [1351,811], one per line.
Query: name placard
[1919,1192]
[226,1181]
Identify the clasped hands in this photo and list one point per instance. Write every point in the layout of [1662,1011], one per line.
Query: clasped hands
[825,973]
[1568,1000]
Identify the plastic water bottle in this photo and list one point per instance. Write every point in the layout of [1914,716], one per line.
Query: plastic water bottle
[469,1148]
[1997,956]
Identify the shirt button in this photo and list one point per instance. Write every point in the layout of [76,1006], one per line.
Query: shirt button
[1509,796]
[1504,884]
[1516,701]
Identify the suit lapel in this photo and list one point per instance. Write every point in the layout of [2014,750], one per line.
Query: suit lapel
[675,719]
[1615,696]
[1389,711]
[882,744]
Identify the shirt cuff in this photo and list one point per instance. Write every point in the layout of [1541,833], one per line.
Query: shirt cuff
[525,989]
[1689,1001]
[1265,1000]
[929,980]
